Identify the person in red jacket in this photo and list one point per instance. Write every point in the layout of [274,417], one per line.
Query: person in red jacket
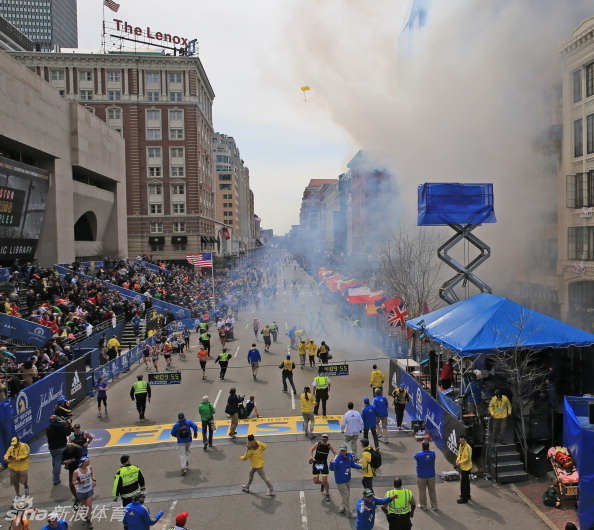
[447,375]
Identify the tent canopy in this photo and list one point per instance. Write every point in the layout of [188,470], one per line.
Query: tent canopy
[487,323]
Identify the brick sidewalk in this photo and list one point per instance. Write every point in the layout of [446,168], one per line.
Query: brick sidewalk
[534,488]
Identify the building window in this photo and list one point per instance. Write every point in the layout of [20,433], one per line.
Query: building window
[153,77]
[114,95]
[154,171]
[589,80]
[578,140]
[176,133]
[57,75]
[590,134]
[153,115]
[156,228]
[154,152]
[580,190]
[179,208]
[178,171]
[153,133]
[114,76]
[176,115]
[223,158]
[577,85]
[580,243]
[153,95]
[175,77]
[179,246]
[156,248]
[178,189]
[85,75]
[177,152]
[85,95]
[156,209]
[225,177]
[114,114]
[224,187]
[175,96]
[179,226]
[155,189]
[62,93]
[230,222]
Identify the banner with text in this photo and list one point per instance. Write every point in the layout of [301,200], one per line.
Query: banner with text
[24,330]
[23,199]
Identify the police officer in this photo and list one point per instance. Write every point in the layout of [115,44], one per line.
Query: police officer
[287,367]
[128,481]
[322,385]
[223,360]
[140,391]
[205,340]
[401,509]
[274,330]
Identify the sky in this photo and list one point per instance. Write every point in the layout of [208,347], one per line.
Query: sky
[257,54]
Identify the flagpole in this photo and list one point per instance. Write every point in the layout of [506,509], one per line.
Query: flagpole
[212,276]
[103,34]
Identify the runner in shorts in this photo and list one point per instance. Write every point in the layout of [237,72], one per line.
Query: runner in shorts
[155,358]
[84,481]
[318,457]
[203,357]
[146,353]
[167,354]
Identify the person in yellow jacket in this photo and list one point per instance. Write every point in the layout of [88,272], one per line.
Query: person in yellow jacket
[311,349]
[307,404]
[377,379]
[113,343]
[302,352]
[464,464]
[499,408]
[17,457]
[254,455]
[401,509]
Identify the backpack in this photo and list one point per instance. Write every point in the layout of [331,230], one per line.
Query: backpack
[550,498]
[376,458]
[184,430]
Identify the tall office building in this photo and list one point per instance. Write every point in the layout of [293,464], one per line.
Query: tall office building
[162,106]
[49,24]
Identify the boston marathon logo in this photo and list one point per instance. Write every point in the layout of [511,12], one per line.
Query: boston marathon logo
[23,419]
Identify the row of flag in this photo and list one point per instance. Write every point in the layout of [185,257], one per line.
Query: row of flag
[376,303]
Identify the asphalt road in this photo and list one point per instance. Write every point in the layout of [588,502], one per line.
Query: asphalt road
[211,491]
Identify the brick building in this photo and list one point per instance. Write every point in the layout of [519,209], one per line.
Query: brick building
[162,106]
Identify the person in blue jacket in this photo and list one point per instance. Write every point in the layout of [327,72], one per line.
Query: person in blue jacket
[366,509]
[182,430]
[341,464]
[254,358]
[381,406]
[369,415]
[137,516]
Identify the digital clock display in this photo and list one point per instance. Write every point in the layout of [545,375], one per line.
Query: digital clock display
[333,369]
[164,378]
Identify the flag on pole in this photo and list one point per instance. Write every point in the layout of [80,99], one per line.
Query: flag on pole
[397,316]
[111,5]
[225,232]
[200,260]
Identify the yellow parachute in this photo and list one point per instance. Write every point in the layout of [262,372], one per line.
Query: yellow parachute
[304,89]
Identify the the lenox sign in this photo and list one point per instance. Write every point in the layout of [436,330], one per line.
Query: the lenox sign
[122,25]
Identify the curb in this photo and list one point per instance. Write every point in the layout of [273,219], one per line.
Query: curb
[537,511]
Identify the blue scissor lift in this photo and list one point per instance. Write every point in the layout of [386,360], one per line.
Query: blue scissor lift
[462,207]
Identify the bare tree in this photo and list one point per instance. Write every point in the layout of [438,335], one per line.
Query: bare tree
[410,267]
[524,373]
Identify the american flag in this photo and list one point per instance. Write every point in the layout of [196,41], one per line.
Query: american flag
[200,260]
[111,5]
[397,316]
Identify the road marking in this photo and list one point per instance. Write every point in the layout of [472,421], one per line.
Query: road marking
[286,325]
[246,326]
[168,515]
[292,399]
[236,351]
[304,524]
[217,399]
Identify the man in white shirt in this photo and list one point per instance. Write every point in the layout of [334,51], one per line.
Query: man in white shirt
[352,426]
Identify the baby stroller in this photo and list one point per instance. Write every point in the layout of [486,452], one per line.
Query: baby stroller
[229,335]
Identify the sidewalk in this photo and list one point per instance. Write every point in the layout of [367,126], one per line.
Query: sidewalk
[532,491]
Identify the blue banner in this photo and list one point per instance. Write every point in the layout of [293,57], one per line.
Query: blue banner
[449,404]
[122,363]
[24,330]
[36,403]
[154,268]
[424,408]
[180,313]
[133,296]
[5,273]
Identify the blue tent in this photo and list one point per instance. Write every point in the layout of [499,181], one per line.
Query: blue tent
[487,323]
